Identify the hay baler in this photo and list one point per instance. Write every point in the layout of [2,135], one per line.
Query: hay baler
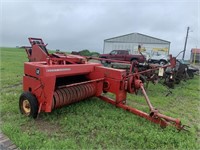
[60,80]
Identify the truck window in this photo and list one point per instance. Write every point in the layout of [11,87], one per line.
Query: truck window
[123,52]
[119,52]
[113,52]
[126,52]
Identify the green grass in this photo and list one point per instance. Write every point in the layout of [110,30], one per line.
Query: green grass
[94,124]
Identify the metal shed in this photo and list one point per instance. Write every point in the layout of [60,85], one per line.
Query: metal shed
[195,55]
[131,42]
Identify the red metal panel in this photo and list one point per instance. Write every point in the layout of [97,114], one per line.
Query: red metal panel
[42,89]
[111,72]
[48,90]
[39,69]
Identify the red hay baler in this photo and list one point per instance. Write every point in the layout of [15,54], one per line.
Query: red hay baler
[52,81]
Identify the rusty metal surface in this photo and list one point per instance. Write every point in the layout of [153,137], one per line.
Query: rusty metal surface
[6,144]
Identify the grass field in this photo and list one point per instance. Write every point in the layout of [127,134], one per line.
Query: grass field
[92,123]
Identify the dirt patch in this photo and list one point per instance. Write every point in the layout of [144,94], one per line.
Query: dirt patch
[41,125]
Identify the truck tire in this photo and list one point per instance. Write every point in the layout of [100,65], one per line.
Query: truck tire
[162,62]
[134,59]
[190,74]
[28,104]
[104,61]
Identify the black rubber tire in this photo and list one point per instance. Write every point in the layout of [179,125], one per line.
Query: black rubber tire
[33,104]
[162,62]
[190,74]
[177,80]
[134,59]
[103,61]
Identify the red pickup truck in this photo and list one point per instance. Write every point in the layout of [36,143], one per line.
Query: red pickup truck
[123,55]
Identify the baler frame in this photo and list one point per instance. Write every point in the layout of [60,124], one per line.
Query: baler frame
[47,85]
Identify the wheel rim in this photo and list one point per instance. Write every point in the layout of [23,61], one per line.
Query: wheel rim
[26,107]
[162,63]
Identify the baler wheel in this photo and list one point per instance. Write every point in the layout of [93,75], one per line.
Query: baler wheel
[28,104]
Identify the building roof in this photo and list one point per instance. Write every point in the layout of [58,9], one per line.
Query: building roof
[195,50]
[137,38]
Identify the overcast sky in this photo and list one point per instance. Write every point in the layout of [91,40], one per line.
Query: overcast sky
[76,25]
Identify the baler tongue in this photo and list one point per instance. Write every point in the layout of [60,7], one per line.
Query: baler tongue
[163,119]
[168,120]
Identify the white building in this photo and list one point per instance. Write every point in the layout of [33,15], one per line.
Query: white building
[131,41]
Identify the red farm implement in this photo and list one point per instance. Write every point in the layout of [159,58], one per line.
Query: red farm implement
[52,81]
